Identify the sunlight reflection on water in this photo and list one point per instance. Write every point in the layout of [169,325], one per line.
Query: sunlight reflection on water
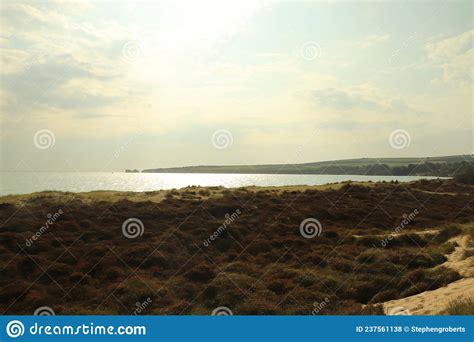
[27,182]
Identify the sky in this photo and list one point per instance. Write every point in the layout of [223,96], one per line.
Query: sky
[110,85]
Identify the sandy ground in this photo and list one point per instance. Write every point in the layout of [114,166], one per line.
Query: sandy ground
[431,302]
[434,302]
[457,261]
[421,233]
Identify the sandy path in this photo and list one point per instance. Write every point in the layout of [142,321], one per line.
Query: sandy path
[457,261]
[434,302]
[431,302]
[385,235]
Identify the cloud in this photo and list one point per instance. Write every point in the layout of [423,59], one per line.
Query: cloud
[451,47]
[63,68]
[51,60]
[13,61]
[454,56]
[373,40]
[346,109]
[342,100]
[46,84]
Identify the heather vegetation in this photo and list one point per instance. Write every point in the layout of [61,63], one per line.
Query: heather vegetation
[259,264]
[466,177]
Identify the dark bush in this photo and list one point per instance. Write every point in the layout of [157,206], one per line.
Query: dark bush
[370,256]
[58,270]
[280,286]
[113,273]
[446,233]
[465,178]
[201,273]
[384,296]
[366,290]
[13,292]
[26,266]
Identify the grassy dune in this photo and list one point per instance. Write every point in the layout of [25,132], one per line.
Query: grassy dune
[203,248]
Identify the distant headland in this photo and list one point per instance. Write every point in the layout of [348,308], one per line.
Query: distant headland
[446,166]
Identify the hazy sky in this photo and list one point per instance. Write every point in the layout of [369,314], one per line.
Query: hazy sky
[115,85]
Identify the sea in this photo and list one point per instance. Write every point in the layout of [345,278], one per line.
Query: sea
[28,182]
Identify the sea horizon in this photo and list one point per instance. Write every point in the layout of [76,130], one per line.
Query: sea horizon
[79,181]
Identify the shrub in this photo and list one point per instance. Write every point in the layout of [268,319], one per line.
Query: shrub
[257,307]
[307,282]
[370,256]
[12,292]
[132,291]
[76,276]
[423,260]
[415,289]
[280,286]
[448,247]
[204,192]
[366,290]
[385,296]
[465,178]
[59,270]
[113,273]
[447,233]
[241,267]
[460,307]
[342,265]
[210,292]
[441,276]
[407,240]
[331,235]
[368,241]
[26,266]
[201,273]
[186,290]
[467,253]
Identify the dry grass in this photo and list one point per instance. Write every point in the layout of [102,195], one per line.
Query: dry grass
[460,307]
[260,264]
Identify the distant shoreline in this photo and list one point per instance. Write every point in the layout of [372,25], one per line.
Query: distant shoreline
[447,166]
